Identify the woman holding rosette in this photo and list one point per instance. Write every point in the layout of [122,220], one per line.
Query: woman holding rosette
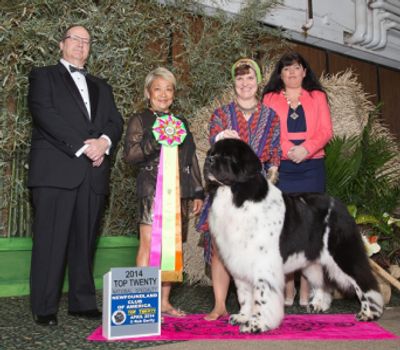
[150,134]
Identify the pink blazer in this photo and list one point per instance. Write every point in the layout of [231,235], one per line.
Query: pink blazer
[318,119]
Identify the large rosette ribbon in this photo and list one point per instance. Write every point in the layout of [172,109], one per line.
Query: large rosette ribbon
[166,239]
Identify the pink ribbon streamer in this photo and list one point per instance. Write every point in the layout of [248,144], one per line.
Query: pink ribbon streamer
[156,237]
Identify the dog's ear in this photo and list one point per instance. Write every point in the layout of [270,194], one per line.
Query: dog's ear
[251,160]
[231,161]
[245,163]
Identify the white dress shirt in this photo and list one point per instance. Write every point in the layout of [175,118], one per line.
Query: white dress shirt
[81,84]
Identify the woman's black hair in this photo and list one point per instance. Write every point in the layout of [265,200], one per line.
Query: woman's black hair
[275,83]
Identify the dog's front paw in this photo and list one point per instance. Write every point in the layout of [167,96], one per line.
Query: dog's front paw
[238,319]
[255,325]
[317,306]
[366,316]
[321,302]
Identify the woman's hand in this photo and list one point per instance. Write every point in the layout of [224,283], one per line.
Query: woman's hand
[227,134]
[297,154]
[273,174]
[197,205]
[230,134]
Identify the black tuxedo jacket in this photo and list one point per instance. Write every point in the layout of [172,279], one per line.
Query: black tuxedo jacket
[61,125]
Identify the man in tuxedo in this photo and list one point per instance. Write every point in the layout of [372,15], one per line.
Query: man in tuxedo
[76,126]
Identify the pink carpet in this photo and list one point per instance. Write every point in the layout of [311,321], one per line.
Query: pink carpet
[294,327]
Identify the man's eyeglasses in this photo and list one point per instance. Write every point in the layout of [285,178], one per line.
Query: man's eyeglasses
[78,39]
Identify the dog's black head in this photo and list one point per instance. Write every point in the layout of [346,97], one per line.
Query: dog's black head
[233,163]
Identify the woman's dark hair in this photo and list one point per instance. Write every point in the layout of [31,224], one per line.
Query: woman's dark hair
[275,83]
[242,69]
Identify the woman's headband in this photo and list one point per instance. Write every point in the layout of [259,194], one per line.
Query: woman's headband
[249,62]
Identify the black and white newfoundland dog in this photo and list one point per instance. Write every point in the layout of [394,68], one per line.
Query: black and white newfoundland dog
[262,234]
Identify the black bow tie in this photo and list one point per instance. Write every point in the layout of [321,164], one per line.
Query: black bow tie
[80,70]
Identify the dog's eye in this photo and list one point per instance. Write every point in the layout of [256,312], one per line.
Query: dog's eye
[210,159]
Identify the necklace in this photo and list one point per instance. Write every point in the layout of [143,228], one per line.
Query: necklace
[247,111]
[294,115]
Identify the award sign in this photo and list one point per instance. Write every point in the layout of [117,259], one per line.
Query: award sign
[131,302]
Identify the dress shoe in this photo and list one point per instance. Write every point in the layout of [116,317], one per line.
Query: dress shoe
[89,314]
[47,320]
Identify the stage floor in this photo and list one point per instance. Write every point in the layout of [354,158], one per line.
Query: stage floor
[18,331]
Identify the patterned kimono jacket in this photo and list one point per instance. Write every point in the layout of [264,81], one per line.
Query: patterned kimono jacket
[261,131]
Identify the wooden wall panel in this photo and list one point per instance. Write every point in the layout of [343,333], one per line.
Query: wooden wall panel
[366,72]
[380,82]
[390,97]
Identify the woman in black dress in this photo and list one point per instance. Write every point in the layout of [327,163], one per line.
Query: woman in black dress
[143,151]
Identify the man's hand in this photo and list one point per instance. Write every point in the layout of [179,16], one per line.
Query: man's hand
[97,148]
[98,162]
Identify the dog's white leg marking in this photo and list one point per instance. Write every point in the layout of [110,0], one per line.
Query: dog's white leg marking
[322,298]
[371,306]
[245,298]
[361,279]
[371,300]
[268,307]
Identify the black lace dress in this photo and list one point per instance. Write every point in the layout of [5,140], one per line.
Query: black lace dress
[142,150]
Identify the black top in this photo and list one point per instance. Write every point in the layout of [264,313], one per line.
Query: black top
[142,150]
[297,125]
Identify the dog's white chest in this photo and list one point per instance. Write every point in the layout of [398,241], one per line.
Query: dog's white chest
[244,234]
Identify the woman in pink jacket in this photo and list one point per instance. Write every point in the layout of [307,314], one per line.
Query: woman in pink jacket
[296,95]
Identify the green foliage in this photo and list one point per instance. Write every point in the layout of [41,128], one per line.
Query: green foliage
[129,39]
[343,162]
[357,171]
[357,174]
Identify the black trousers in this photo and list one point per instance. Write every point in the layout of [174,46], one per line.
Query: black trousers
[66,223]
